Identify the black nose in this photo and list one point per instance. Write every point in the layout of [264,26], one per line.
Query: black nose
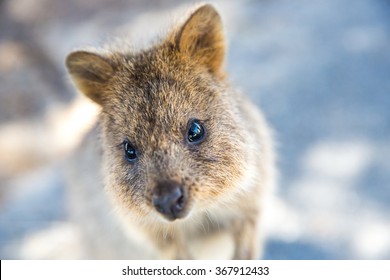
[170,199]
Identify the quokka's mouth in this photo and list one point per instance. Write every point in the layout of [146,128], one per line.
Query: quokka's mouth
[171,218]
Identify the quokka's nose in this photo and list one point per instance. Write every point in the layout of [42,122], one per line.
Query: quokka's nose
[170,199]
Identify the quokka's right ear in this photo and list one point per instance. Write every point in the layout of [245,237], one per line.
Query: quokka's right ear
[90,72]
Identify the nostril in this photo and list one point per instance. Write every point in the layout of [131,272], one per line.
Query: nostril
[180,202]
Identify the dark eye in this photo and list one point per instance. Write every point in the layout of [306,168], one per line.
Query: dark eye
[196,132]
[130,152]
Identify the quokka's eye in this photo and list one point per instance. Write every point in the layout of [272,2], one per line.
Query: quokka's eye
[196,132]
[130,151]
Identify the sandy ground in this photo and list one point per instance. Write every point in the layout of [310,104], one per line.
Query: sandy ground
[320,70]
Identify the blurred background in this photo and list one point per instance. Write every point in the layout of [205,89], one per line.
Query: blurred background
[320,70]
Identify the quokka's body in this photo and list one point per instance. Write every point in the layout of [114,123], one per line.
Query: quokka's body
[179,163]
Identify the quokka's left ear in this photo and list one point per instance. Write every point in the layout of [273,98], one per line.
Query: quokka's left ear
[91,73]
[202,38]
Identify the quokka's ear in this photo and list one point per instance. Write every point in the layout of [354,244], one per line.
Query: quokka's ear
[201,37]
[90,72]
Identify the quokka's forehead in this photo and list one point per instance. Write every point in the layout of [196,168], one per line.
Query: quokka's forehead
[158,97]
[162,88]
[153,108]
[161,66]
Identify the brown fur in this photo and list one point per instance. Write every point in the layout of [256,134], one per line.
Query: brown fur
[148,97]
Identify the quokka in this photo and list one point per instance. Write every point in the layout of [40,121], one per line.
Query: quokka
[179,163]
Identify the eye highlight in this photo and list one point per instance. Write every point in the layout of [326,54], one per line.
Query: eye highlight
[130,151]
[195,132]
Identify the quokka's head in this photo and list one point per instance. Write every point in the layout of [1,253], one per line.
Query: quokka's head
[172,138]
